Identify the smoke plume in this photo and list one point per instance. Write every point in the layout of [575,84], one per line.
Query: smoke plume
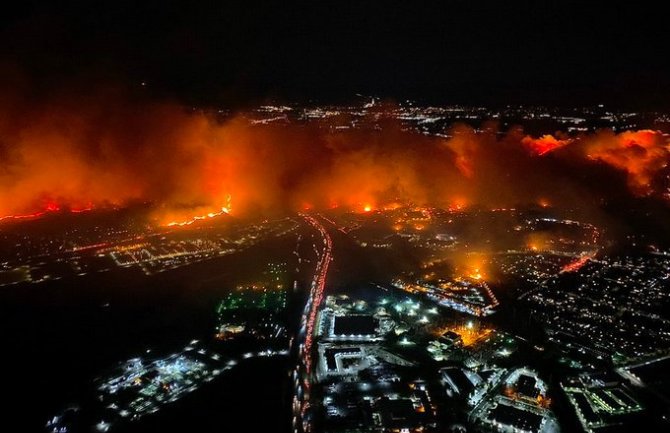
[105,150]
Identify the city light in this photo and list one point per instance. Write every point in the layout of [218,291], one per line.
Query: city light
[402,295]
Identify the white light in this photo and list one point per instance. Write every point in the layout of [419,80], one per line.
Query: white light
[102,426]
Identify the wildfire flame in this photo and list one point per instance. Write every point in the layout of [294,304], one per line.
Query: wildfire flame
[577,264]
[49,208]
[225,210]
[196,218]
[85,155]
[544,145]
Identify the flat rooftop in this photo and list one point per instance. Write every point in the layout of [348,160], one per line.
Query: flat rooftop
[397,413]
[517,418]
[355,325]
[459,379]
[331,353]
[526,386]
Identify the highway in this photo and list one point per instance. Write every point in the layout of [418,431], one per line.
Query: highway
[302,374]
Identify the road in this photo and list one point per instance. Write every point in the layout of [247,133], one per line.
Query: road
[302,374]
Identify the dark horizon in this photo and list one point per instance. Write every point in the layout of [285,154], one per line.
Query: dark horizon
[238,54]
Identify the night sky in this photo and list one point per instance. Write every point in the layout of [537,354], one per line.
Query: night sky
[245,52]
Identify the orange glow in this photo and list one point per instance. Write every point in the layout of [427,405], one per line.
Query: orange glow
[193,219]
[470,333]
[458,204]
[476,274]
[52,207]
[539,241]
[472,266]
[543,145]
[49,208]
[97,152]
[21,217]
[641,154]
[392,206]
[577,264]
[191,216]
[82,209]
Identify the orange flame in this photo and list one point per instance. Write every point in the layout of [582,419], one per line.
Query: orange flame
[543,145]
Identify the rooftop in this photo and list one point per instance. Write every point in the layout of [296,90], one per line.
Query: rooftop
[355,325]
[517,418]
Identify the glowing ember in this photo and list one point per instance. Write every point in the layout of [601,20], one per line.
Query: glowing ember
[543,145]
[26,216]
[576,265]
[476,274]
[188,222]
[473,266]
[82,209]
[50,207]
[457,204]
